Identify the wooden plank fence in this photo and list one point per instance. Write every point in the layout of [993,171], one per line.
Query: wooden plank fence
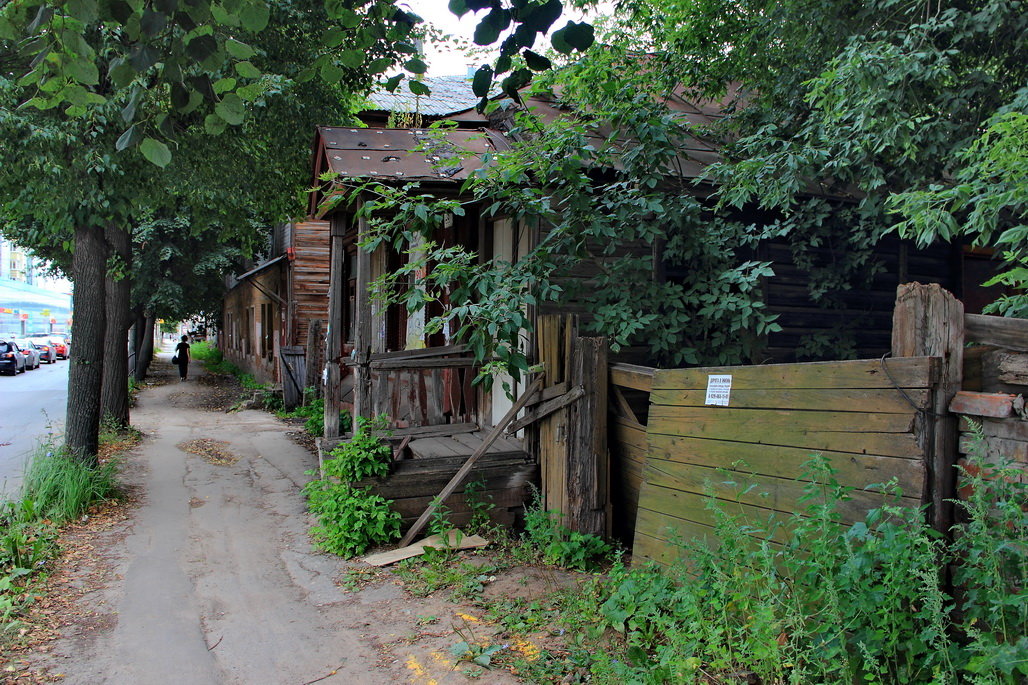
[859,414]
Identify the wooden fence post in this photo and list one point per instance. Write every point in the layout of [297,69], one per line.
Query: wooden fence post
[362,338]
[312,379]
[334,344]
[588,465]
[929,322]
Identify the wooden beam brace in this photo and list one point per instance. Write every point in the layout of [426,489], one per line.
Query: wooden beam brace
[464,470]
[626,409]
[1000,331]
[547,408]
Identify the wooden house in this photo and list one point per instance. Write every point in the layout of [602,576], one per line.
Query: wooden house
[381,360]
[270,311]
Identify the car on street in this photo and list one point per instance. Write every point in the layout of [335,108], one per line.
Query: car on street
[12,361]
[29,351]
[60,345]
[46,348]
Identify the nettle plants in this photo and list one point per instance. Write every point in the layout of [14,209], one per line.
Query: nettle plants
[352,519]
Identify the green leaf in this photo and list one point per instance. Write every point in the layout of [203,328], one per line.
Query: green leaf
[536,62]
[239,50]
[482,81]
[333,37]
[458,7]
[415,66]
[214,125]
[153,23]
[352,58]
[85,11]
[155,152]
[247,70]
[379,65]
[575,36]
[488,30]
[330,73]
[392,82]
[251,92]
[128,112]
[83,71]
[200,48]
[224,85]
[128,138]
[418,88]
[349,18]
[255,15]
[231,109]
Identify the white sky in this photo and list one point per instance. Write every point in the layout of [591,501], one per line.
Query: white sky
[443,60]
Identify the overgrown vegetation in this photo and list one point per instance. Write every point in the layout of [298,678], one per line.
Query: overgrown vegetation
[313,413]
[824,602]
[352,519]
[57,488]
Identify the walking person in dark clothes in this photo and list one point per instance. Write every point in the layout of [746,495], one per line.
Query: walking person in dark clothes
[182,357]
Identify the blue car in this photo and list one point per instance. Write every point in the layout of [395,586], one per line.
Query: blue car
[12,361]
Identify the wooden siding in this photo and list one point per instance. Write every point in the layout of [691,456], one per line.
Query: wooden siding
[854,413]
[310,270]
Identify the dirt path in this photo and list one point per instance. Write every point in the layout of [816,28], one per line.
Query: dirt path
[212,579]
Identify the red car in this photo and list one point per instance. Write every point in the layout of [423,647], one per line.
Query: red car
[60,346]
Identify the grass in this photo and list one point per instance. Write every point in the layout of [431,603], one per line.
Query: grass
[56,489]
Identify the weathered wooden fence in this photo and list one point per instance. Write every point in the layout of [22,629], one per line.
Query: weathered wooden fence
[860,415]
[743,434]
[570,428]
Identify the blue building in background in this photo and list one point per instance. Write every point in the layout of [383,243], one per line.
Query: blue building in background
[31,301]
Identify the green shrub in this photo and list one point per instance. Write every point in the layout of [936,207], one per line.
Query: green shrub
[556,544]
[350,520]
[205,352]
[314,413]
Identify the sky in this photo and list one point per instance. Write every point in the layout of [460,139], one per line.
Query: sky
[444,61]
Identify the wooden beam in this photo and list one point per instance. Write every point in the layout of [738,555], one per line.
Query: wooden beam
[421,363]
[626,409]
[632,376]
[462,473]
[546,408]
[588,468]
[334,344]
[362,400]
[929,321]
[1000,331]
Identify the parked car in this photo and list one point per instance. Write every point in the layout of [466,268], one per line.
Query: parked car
[47,350]
[60,345]
[12,361]
[30,352]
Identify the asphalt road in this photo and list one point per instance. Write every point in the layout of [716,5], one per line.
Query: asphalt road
[32,405]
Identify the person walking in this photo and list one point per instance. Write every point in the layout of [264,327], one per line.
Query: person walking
[182,357]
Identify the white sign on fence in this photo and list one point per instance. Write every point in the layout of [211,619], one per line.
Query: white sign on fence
[719,388]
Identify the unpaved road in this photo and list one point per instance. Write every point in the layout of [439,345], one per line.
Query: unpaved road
[212,578]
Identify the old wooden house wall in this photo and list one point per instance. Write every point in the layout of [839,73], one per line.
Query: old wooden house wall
[251,326]
[309,276]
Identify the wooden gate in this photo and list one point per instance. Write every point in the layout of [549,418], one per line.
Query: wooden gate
[294,373]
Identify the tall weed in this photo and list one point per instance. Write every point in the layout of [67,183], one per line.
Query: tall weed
[807,599]
[63,487]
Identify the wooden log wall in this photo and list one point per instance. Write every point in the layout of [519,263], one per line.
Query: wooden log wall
[502,480]
[994,421]
[860,415]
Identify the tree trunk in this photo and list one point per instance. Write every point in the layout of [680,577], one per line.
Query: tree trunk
[85,373]
[114,400]
[138,326]
[144,354]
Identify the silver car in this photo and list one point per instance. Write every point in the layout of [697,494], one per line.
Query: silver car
[47,350]
[30,352]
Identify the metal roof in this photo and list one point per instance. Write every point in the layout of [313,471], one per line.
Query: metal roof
[416,154]
[450,95]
